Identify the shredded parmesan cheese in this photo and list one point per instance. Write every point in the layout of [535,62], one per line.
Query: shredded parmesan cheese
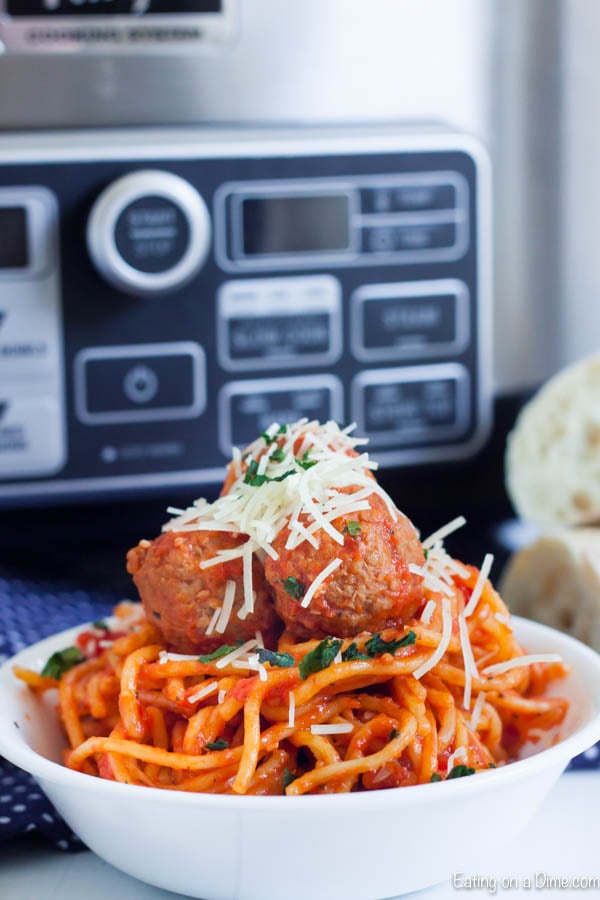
[229,658]
[486,565]
[292,710]
[204,691]
[444,531]
[227,606]
[428,612]
[272,491]
[341,728]
[459,754]
[477,710]
[164,656]
[443,644]
[318,581]
[500,668]
[214,620]
[468,660]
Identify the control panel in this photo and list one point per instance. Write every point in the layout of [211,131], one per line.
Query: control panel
[167,295]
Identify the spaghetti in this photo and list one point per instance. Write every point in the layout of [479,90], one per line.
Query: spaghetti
[446,692]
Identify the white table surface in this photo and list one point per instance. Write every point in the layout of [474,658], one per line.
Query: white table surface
[562,841]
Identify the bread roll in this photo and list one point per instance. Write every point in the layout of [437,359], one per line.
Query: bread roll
[553,453]
[556,580]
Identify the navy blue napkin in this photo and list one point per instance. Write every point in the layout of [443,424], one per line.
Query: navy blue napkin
[29,611]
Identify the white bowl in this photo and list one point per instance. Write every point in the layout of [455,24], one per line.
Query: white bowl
[363,846]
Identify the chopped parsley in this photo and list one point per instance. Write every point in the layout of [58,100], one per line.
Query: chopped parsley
[425,552]
[61,661]
[352,527]
[267,438]
[436,777]
[288,777]
[375,646]
[306,462]
[293,587]
[223,650]
[278,455]
[321,657]
[460,772]
[283,660]
[255,480]
[101,624]
[352,652]
[217,745]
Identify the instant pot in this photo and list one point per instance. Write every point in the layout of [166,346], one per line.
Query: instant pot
[221,214]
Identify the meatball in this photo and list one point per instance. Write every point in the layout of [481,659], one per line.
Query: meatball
[180,598]
[371,590]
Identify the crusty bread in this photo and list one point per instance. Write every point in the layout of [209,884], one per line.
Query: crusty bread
[553,453]
[556,580]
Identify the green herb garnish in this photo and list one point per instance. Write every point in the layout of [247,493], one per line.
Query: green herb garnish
[278,455]
[352,527]
[223,650]
[288,777]
[217,745]
[375,646]
[255,480]
[306,462]
[436,777]
[425,552]
[352,652]
[61,661]
[101,624]
[321,657]
[460,772]
[267,438]
[283,660]
[293,587]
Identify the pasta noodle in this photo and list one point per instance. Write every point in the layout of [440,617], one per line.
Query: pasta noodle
[357,724]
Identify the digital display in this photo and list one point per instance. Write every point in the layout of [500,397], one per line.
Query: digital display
[35,8]
[295,224]
[14,252]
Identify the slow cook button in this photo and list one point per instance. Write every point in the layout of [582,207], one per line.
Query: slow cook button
[140,383]
[31,436]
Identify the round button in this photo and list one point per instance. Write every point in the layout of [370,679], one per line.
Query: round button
[140,384]
[149,232]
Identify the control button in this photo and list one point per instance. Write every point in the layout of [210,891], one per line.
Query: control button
[418,405]
[410,238]
[149,232]
[408,319]
[410,196]
[28,344]
[31,436]
[140,383]
[277,322]
[248,407]
[152,234]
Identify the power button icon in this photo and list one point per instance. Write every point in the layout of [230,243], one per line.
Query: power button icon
[140,384]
